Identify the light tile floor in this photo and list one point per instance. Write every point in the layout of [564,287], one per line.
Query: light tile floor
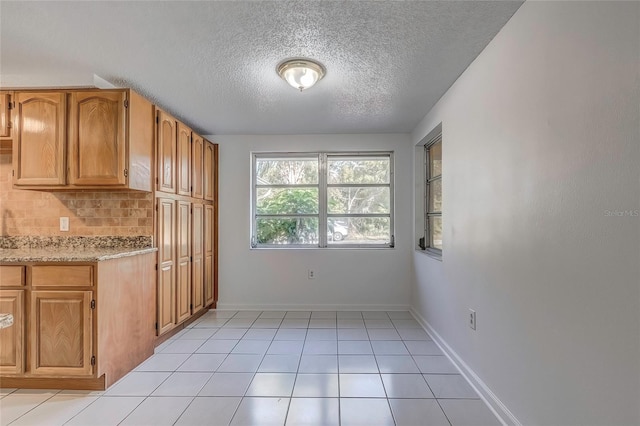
[274,368]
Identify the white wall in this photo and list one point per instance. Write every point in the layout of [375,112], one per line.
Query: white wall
[541,137]
[277,278]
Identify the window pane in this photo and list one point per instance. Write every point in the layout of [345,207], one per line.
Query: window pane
[358,230]
[287,201]
[358,170]
[286,171]
[435,159]
[288,230]
[358,200]
[435,228]
[435,196]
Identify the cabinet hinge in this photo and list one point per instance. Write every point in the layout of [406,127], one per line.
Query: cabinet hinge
[126,103]
[11,105]
[156,266]
[191,306]
[93,304]
[126,172]
[156,326]
[157,119]
[93,360]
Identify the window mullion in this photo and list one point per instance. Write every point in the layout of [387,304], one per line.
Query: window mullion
[322,200]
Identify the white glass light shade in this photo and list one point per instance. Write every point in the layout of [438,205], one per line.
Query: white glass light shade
[301,73]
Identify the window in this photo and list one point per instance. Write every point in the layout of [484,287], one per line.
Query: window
[432,240]
[322,200]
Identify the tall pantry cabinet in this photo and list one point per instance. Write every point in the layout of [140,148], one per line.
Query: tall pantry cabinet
[186,213]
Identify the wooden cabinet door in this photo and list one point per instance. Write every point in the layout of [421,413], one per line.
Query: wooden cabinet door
[197,264]
[61,333]
[5,115]
[197,164]
[166,291]
[97,138]
[184,160]
[6,122]
[166,152]
[209,280]
[209,170]
[12,337]
[40,145]
[183,258]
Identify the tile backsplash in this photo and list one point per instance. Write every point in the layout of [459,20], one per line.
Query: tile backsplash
[90,212]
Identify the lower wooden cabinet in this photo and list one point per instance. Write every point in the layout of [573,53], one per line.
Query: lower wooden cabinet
[185,260]
[197,263]
[61,333]
[87,325]
[166,282]
[12,347]
[209,256]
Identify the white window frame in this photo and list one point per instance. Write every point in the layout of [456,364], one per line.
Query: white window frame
[322,185]
[426,245]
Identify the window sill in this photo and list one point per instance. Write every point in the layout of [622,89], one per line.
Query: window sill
[434,255]
[324,248]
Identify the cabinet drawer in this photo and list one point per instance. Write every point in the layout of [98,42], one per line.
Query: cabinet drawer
[11,275]
[62,276]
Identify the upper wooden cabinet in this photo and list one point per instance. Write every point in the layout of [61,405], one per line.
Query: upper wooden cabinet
[184,160]
[6,121]
[105,142]
[210,172]
[166,151]
[6,104]
[39,151]
[197,166]
[97,138]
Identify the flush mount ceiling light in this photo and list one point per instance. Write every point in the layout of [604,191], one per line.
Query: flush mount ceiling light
[301,73]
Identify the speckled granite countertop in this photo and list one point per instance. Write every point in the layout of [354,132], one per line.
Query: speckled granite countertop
[68,254]
[72,249]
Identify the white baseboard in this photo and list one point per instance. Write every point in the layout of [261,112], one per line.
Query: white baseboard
[493,402]
[309,307]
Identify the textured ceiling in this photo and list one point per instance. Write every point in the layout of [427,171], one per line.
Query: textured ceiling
[212,63]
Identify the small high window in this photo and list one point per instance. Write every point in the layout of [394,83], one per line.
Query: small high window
[432,240]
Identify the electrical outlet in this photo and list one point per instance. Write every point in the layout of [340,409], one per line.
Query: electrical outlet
[472,319]
[311,274]
[64,224]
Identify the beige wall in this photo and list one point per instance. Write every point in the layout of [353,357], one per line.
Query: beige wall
[90,212]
